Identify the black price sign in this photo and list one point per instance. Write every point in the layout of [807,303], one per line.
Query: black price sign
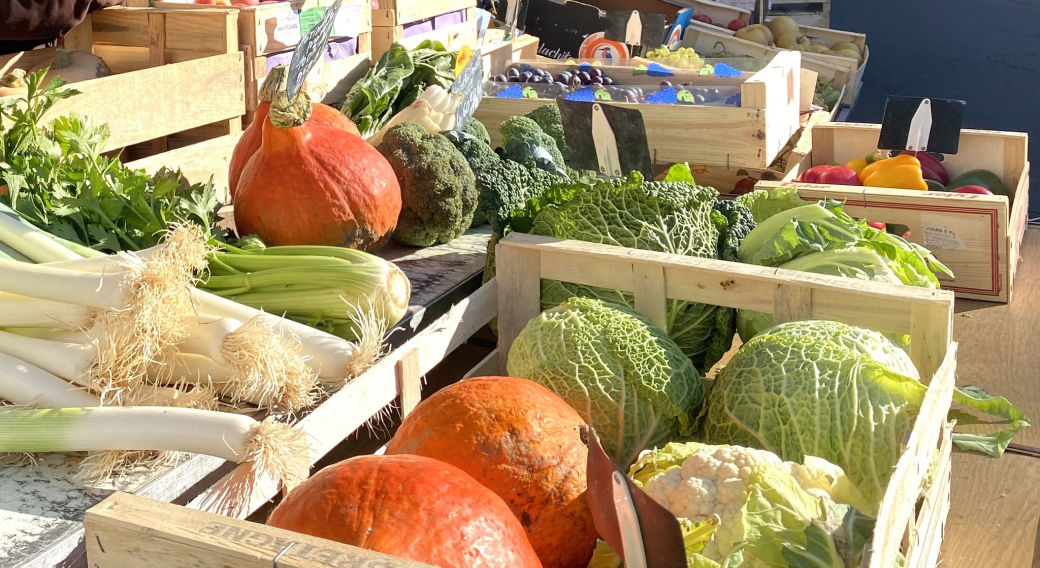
[310,49]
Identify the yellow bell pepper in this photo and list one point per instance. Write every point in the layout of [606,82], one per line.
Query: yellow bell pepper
[857,165]
[900,172]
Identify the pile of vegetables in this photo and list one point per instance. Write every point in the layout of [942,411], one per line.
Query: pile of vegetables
[922,171]
[820,237]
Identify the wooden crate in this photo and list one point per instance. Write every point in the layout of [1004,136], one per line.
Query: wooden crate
[816,14]
[977,236]
[174,71]
[707,41]
[452,36]
[500,54]
[123,531]
[751,135]
[267,35]
[718,12]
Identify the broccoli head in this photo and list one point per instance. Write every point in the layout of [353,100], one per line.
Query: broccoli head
[548,118]
[438,189]
[478,154]
[507,186]
[476,129]
[526,132]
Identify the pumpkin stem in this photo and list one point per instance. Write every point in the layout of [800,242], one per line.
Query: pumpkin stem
[61,58]
[285,113]
[274,83]
[14,79]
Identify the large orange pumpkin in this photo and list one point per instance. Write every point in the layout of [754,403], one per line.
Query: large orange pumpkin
[310,184]
[408,506]
[521,441]
[252,136]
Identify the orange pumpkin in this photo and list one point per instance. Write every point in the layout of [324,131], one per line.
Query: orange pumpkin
[251,137]
[413,507]
[311,184]
[521,441]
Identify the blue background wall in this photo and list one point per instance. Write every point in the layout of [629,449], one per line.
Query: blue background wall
[984,52]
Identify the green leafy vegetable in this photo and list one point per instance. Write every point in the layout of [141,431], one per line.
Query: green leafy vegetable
[624,376]
[802,389]
[59,180]
[395,82]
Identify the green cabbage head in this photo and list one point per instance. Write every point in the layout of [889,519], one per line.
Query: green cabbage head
[671,216]
[622,374]
[842,393]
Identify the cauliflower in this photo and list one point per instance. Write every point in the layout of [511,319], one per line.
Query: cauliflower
[740,485]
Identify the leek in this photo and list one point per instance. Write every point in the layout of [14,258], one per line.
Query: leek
[269,448]
[27,385]
[22,311]
[33,244]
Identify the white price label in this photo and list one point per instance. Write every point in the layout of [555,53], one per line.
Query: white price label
[940,237]
[348,21]
[287,28]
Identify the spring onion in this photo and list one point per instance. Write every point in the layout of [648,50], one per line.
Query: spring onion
[33,244]
[22,311]
[27,385]
[271,449]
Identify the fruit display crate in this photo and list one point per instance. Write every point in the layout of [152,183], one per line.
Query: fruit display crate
[978,237]
[719,13]
[124,531]
[268,34]
[174,71]
[816,14]
[709,40]
[500,54]
[750,136]
[410,22]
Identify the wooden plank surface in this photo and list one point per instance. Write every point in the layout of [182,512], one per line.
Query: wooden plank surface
[41,507]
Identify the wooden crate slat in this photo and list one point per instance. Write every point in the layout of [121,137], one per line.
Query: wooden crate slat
[198,162]
[400,12]
[453,37]
[171,98]
[127,531]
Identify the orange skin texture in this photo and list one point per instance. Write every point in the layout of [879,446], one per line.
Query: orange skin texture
[522,441]
[317,185]
[252,136]
[408,506]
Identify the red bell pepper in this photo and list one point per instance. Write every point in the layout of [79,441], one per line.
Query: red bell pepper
[975,189]
[878,225]
[931,167]
[830,175]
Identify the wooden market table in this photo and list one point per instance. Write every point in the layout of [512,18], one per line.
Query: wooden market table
[42,507]
[995,506]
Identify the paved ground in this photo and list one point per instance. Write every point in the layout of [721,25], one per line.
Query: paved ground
[986,53]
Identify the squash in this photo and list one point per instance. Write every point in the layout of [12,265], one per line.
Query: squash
[413,507]
[13,84]
[74,66]
[522,441]
[313,184]
[249,142]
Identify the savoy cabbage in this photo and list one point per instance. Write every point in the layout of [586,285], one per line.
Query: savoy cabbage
[623,375]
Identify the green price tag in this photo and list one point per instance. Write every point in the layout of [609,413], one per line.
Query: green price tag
[310,18]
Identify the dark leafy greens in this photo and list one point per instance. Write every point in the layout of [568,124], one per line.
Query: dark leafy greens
[395,82]
[58,179]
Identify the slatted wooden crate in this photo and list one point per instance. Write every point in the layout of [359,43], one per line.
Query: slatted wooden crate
[499,54]
[410,22]
[719,13]
[174,71]
[751,135]
[816,14]
[268,34]
[977,236]
[124,531]
[707,41]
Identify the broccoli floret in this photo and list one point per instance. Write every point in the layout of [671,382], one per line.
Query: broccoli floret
[734,221]
[526,131]
[476,129]
[549,119]
[478,154]
[507,186]
[438,188]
